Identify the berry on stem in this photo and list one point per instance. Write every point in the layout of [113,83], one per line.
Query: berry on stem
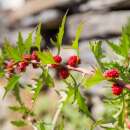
[22,66]
[116,89]
[63,73]
[34,56]
[73,61]
[112,73]
[58,60]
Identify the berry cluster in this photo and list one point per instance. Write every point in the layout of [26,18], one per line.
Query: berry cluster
[112,74]
[63,71]
[12,67]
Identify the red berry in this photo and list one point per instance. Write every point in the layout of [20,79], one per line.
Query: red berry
[73,61]
[112,73]
[116,89]
[63,73]
[34,56]
[58,60]
[27,57]
[22,66]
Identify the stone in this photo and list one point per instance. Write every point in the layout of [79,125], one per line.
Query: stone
[104,5]
[97,25]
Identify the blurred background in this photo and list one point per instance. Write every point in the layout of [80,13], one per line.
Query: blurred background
[103,19]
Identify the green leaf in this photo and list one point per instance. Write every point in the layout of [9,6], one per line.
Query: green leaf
[19,123]
[82,105]
[96,48]
[60,34]
[37,89]
[11,52]
[60,125]
[2,73]
[119,116]
[46,57]
[11,84]
[114,47]
[21,109]
[17,94]
[40,126]
[38,38]
[48,79]
[75,43]
[125,45]
[28,42]
[94,79]
[99,122]
[20,43]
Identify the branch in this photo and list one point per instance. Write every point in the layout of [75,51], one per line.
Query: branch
[122,84]
[78,69]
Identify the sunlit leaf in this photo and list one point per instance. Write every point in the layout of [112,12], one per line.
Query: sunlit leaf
[75,43]
[21,109]
[94,79]
[19,123]
[28,42]
[11,84]
[38,38]
[20,44]
[82,105]
[37,89]
[46,57]
[40,126]
[11,52]
[48,80]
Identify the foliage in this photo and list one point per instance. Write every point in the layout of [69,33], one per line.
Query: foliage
[20,56]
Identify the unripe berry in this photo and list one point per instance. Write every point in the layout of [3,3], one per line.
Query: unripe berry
[73,61]
[63,73]
[112,73]
[21,67]
[58,60]
[27,57]
[116,89]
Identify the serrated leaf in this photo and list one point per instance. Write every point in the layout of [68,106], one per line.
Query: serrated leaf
[75,43]
[94,79]
[17,94]
[46,57]
[124,45]
[60,34]
[99,122]
[20,44]
[21,109]
[40,126]
[28,42]
[114,47]
[48,80]
[11,52]
[37,89]
[96,49]
[82,105]
[38,37]
[19,123]
[11,84]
